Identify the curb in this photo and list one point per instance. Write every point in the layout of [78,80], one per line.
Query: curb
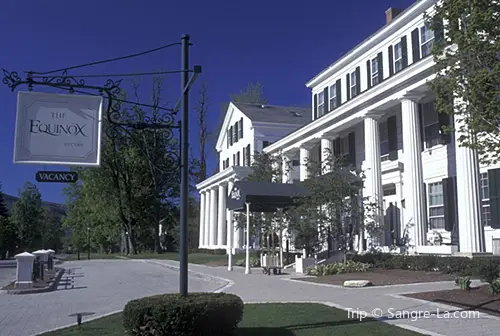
[369,287]
[50,288]
[442,306]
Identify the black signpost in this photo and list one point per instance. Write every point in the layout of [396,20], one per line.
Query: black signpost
[57,176]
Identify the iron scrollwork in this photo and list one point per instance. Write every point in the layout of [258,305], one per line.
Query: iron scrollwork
[116,121]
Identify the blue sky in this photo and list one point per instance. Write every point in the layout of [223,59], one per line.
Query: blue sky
[280,43]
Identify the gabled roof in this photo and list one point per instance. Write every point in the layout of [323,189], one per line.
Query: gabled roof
[275,114]
[272,114]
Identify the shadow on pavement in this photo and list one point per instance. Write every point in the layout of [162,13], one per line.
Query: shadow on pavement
[264,332]
[67,281]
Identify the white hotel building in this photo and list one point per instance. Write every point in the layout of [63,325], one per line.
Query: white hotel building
[374,107]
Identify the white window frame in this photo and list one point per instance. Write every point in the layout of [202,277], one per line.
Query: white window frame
[333,97]
[484,186]
[398,57]
[353,83]
[426,107]
[321,103]
[384,138]
[435,206]
[426,40]
[374,70]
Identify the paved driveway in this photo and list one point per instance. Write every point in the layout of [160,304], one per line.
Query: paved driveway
[98,287]
[7,275]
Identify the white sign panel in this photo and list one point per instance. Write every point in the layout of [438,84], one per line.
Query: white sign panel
[58,129]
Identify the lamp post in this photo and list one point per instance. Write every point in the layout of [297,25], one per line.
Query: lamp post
[247,257]
[88,242]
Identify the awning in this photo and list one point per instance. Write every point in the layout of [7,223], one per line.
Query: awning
[264,196]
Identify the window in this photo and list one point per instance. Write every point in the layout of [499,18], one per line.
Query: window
[354,87]
[333,97]
[398,57]
[248,159]
[295,163]
[231,139]
[436,205]
[384,141]
[344,146]
[426,40]
[374,71]
[321,104]
[431,125]
[237,159]
[227,163]
[485,200]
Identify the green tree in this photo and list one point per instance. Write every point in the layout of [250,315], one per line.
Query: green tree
[468,71]
[52,233]
[27,216]
[3,208]
[8,237]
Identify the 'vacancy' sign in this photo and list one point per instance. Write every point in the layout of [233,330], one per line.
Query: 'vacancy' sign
[54,176]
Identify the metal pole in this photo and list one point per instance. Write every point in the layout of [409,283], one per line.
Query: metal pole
[88,243]
[183,258]
[247,261]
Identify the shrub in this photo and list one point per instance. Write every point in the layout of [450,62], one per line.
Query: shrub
[173,315]
[254,262]
[210,251]
[463,282]
[495,287]
[487,270]
[338,268]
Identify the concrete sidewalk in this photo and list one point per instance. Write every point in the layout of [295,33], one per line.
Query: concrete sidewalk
[385,302]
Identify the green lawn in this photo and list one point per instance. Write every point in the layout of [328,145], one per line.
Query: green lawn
[193,258]
[274,319]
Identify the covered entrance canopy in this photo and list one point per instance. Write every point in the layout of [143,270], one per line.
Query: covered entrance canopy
[264,196]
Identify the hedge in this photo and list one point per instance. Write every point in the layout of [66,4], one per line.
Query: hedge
[486,268]
[173,315]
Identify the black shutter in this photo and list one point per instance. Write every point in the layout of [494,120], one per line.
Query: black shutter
[391,60]
[439,32]
[369,73]
[358,80]
[449,202]
[380,63]
[241,128]
[415,45]
[348,86]
[392,135]
[315,110]
[421,122]
[404,51]
[494,186]
[236,133]
[351,138]
[338,87]
[326,105]
[231,135]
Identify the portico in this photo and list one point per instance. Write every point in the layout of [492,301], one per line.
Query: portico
[217,227]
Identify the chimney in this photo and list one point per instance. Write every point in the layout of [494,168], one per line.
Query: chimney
[391,13]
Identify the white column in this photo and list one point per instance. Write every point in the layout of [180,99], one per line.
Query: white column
[471,230]
[413,176]
[237,231]
[326,152]
[373,183]
[207,217]
[213,217]
[305,155]
[230,230]
[287,170]
[222,225]
[202,220]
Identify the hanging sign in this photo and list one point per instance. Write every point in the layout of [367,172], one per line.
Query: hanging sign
[58,129]
[56,176]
